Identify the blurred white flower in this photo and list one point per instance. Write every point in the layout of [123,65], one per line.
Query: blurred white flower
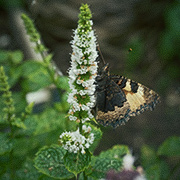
[128,162]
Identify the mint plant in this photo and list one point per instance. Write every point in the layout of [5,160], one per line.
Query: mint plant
[76,147]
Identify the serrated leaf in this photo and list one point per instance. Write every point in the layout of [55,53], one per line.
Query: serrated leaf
[148,156]
[107,160]
[5,144]
[77,162]
[49,161]
[170,147]
[117,151]
[100,166]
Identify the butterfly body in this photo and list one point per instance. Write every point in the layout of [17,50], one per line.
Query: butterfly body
[119,98]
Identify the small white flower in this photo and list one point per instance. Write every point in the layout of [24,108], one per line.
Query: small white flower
[78,68]
[85,119]
[74,141]
[72,118]
[87,145]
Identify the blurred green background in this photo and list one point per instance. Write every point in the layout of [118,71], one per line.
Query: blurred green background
[151,28]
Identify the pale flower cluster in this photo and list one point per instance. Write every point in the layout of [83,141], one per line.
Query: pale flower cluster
[128,162]
[74,141]
[83,60]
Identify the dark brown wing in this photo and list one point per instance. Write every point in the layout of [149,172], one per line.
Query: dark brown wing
[139,97]
[112,108]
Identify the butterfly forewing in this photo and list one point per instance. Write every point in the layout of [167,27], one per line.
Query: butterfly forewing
[112,106]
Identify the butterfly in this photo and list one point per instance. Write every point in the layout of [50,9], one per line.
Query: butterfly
[119,98]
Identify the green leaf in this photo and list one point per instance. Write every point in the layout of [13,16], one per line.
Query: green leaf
[18,123]
[117,151]
[19,101]
[15,72]
[36,76]
[3,56]
[27,171]
[63,105]
[48,58]
[148,156]
[49,120]
[158,171]
[63,83]
[49,161]
[28,144]
[5,144]
[170,147]
[172,18]
[31,122]
[16,57]
[77,162]
[100,166]
[107,160]
[97,136]
[24,145]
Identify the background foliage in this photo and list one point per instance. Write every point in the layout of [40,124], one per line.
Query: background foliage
[150,28]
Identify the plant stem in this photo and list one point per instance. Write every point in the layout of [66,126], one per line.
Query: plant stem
[51,72]
[84,175]
[80,127]
[11,159]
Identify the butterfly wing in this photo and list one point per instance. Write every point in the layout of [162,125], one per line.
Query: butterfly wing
[112,108]
[139,97]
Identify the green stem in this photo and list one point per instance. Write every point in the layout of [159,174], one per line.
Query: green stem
[11,158]
[50,71]
[80,127]
[84,175]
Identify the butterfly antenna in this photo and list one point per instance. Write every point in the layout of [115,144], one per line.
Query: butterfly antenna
[101,54]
